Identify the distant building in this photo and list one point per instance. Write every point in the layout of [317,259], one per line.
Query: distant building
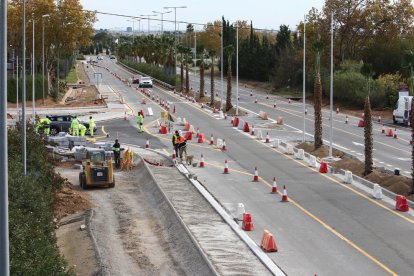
[129,29]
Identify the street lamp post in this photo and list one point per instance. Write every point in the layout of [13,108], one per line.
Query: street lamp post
[162,19]
[24,90]
[331,93]
[304,79]
[43,57]
[148,17]
[221,59]
[33,72]
[237,70]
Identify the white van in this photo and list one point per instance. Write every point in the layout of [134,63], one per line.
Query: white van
[402,108]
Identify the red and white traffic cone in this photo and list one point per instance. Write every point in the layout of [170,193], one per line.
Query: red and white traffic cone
[238,98]
[158,99]
[379,119]
[202,105]
[224,145]
[383,129]
[251,93]
[214,110]
[253,130]
[147,144]
[337,110]
[274,105]
[346,119]
[225,116]
[285,196]
[306,111]
[198,132]
[274,186]
[255,101]
[363,115]
[267,97]
[256,175]
[202,161]
[290,101]
[174,110]
[232,120]
[226,167]
[211,139]
[267,138]
[395,133]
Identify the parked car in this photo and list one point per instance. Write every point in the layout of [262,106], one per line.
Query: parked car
[100,58]
[145,82]
[112,57]
[62,123]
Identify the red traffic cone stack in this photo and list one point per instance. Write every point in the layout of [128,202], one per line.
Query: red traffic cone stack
[247,222]
[256,175]
[383,129]
[267,138]
[274,186]
[202,161]
[395,133]
[226,167]
[224,145]
[212,140]
[147,144]
[346,119]
[285,196]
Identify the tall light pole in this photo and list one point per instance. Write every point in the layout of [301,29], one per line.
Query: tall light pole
[237,70]
[4,203]
[221,59]
[17,86]
[331,94]
[24,90]
[33,72]
[162,19]
[148,17]
[175,33]
[195,52]
[304,79]
[43,57]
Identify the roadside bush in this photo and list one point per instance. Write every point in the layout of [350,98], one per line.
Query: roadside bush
[11,88]
[151,70]
[350,88]
[33,248]
[389,84]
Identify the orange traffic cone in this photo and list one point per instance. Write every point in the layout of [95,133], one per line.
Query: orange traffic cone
[256,175]
[211,140]
[346,119]
[285,196]
[255,101]
[268,242]
[226,167]
[202,161]
[267,138]
[274,186]
[247,222]
[147,144]
[395,133]
[224,145]
[253,130]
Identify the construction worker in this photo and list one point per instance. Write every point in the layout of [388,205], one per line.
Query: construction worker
[140,121]
[46,125]
[91,125]
[175,137]
[182,146]
[116,148]
[82,130]
[75,126]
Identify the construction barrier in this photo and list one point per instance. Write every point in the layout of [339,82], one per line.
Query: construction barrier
[236,122]
[401,203]
[247,222]
[268,242]
[163,129]
[188,135]
[324,167]
[377,191]
[246,127]
[201,138]
[361,123]
[348,177]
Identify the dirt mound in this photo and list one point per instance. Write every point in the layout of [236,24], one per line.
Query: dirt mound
[69,201]
[232,111]
[321,152]
[204,99]
[348,164]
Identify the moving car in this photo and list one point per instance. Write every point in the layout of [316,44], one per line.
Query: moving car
[63,122]
[100,58]
[402,109]
[145,82]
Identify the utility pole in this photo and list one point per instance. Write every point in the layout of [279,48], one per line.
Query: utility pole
[43,57]
[221,57]
[304,79]
[331,93]
[4,194]
[33,73]
[24,90]
[237,70]
[17,86]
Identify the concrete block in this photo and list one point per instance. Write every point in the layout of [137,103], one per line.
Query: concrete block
[241,124]
[377,192]
[276,143]
[348,177]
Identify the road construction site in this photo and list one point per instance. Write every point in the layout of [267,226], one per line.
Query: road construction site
[331,227]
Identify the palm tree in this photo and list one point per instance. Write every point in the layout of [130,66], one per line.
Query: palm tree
[202,76]
[212,54]
[317,48]
[181,50]
[187,51]
[229,50]
[412,148]
[409,62]
[368,137]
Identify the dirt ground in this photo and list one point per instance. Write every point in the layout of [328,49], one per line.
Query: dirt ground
[396,183]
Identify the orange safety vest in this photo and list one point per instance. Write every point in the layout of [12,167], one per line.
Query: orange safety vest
[180,139]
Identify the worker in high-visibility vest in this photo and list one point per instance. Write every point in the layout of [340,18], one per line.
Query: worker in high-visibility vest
[140,121]
[82,130]
[91,125]
[116,148]
[75,126]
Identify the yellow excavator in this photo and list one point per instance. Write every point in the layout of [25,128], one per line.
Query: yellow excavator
[97,170]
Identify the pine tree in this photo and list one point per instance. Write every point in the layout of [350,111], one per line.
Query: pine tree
[368,137]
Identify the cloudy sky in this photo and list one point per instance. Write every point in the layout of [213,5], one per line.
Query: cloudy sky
[265,14]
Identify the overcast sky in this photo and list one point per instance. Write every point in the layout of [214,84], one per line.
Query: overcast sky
[265,14]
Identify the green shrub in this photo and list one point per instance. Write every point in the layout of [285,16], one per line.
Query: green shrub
[151,70]
[11,88]
[33,248]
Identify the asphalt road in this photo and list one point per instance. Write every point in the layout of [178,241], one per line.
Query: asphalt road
[328,228]
[388,152]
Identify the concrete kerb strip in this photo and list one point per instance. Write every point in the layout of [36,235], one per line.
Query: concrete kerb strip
[273,268]
[195,242]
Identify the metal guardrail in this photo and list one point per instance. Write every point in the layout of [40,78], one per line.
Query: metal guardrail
[159,82]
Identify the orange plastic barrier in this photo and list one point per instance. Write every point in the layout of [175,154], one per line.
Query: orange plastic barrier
[188,136]
[401,203]
[268,243]
[323,168]
[361,123]
[246,127]
[201,138]
[163,129]
[236,122]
